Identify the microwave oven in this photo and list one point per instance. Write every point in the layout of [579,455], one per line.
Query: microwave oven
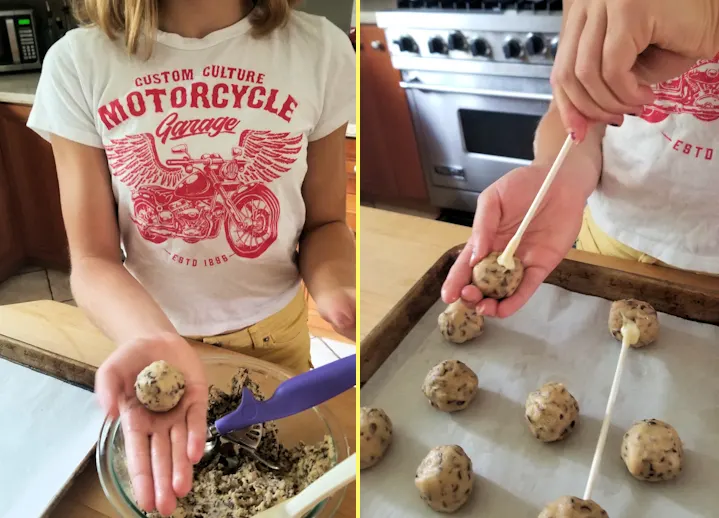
[19,49]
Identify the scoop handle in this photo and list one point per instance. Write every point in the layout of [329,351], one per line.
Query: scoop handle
[292,396]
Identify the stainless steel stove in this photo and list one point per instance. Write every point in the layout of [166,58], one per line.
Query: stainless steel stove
[477,81]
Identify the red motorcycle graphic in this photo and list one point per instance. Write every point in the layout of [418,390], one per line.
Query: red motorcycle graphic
[191,198]
[696,93]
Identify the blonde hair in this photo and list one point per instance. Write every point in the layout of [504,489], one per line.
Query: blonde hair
[137,20]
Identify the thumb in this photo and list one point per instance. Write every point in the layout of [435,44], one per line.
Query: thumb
[484,229]
[108,388]
[485,224]
[656,65]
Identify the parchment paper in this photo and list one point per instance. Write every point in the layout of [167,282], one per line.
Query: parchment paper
[558,336]
[47,429]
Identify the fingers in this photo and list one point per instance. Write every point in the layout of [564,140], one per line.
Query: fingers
[594,76]
[197,428]
[137,449]
[619,57]
[458,277]
[162,473]
[341,313]
[589,62]
[533,277]
[564,72]
[181,466]
[471,295]
[109,389]
[573,121]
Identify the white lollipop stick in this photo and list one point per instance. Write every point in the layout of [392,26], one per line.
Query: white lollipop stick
[630,336]
[506,259]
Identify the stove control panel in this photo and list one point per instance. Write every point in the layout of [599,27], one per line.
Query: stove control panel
[529,48]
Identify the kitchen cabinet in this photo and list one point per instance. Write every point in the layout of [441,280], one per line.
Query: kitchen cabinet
[391,169]
[31,196]
[11,247]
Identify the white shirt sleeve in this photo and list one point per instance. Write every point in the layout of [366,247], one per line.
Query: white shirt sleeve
[338,105]
[60,105]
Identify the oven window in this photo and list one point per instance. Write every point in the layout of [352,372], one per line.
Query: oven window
[503,134]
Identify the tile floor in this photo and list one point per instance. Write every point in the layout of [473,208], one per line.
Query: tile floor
[34,283]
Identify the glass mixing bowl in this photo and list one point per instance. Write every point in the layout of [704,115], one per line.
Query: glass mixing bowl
[309,427]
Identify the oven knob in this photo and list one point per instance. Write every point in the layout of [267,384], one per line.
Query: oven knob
[437,46]
[407,44]
[481,48]
[554,46]
[512,49]
[535,45]
[457,41]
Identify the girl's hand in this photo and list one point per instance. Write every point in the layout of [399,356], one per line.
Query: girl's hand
[161,447]
[612,50]
[500,210]
[338,308]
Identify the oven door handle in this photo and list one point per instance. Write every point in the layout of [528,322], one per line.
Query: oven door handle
[475,91]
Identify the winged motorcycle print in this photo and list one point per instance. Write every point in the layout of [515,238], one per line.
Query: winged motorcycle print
[695,92]
[193,199]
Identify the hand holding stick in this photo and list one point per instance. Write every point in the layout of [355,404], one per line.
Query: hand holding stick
[506,259]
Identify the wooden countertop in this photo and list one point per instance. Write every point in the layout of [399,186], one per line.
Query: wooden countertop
[397,249]
[64,330]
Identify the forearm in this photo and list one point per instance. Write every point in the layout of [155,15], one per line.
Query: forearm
[583,165]
[116,302]
[327,258]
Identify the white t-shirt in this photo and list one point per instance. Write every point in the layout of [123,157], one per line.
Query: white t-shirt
[660,183]
[207,148]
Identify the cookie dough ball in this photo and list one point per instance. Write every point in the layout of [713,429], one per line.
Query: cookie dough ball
[551,412]
[652,451]
[450,386]
[573,507]
[445,478]
[458,323]
[375,434]
[160,386]
[494,280]
[641,313]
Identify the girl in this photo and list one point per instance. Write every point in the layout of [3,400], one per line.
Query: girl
[206,138]
[643,189]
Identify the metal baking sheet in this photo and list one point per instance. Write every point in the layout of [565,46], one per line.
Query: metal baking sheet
[558,336]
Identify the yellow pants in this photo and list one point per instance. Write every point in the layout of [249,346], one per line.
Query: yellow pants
[282,338]
[592,239]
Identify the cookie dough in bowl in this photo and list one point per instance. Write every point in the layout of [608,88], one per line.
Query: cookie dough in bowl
[450,386]
[494,280]
[459,324]
[445,479]
[573,507]
[375,436]
[160,386]
[233,484]
[653,451]
[551,412]
[641,313]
